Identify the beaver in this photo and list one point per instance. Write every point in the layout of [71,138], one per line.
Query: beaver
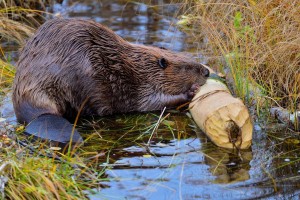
[79,67]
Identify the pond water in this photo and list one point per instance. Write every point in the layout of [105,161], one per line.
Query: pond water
[178,162]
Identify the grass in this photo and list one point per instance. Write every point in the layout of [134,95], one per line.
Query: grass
[256,42]
[37,171]
[7,74]
[31,176]
[18,21]
[40,4]
[13,32]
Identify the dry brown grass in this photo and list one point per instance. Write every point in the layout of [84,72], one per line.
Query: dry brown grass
[14,32]
[27,4]
[260,41]
[10,31]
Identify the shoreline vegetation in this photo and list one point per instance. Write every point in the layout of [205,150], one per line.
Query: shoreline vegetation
[258,42]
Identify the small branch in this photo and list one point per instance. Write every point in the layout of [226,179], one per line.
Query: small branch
[156,125]
[286,117]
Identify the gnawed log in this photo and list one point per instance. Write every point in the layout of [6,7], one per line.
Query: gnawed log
[223,118]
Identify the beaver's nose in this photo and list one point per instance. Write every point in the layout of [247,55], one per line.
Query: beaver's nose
[206,72]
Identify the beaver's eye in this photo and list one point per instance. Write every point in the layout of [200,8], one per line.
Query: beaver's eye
[163,63]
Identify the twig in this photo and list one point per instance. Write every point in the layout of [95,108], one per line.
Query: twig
[156,126]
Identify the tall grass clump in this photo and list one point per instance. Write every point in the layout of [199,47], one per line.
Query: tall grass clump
[18,20]
[258,40]
[13,32]
[27,4]
[42,173]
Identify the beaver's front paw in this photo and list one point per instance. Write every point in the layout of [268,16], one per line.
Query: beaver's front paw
[192,91]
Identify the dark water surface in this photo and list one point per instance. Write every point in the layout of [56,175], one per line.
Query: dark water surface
[179,162]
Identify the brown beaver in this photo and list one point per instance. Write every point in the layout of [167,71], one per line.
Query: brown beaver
[73,66]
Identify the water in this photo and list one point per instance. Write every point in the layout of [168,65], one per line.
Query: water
[180,162]
[183,166]
[136,22]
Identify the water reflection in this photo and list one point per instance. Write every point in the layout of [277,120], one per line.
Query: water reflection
[179,170]
[228,166]
[194,168]
[136,22]
[170,168]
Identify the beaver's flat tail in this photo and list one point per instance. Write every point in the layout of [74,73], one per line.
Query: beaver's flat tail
[53,128]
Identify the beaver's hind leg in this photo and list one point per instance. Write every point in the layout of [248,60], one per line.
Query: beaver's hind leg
[53,128]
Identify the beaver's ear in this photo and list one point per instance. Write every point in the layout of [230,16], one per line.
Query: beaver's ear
[163,63]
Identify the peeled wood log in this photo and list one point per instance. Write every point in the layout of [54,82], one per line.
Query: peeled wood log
[223,118]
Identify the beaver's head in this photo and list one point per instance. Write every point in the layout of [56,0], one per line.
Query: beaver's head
[167,78]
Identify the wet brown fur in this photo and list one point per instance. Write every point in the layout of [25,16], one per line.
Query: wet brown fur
[71,61]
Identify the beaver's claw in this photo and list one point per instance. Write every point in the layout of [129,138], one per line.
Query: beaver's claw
[192,91]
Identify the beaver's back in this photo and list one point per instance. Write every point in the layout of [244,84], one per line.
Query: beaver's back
[54,65]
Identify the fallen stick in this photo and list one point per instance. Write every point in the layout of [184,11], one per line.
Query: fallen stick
[223,118]
[292,119]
